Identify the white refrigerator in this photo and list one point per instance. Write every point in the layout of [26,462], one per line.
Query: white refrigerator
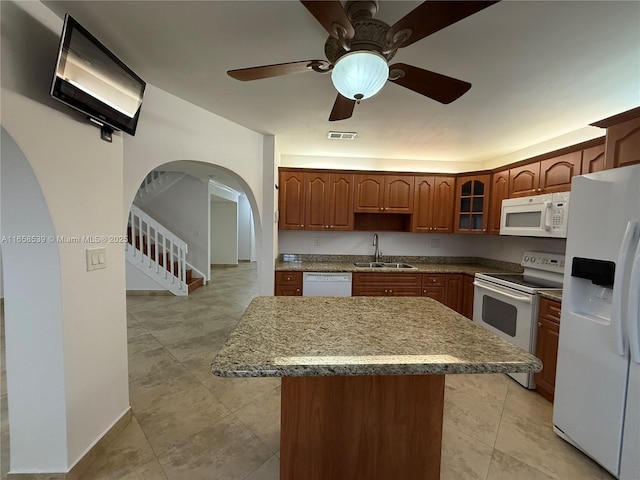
[597,393]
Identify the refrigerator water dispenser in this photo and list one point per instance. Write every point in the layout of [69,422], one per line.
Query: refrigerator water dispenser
[592,288]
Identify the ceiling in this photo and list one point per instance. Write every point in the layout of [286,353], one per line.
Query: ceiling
[539,70]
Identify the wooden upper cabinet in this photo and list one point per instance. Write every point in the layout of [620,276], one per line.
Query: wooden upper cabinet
[556,173]
[341,201]
[433,204]
[398,194]
[623,144]
[546,176]
[369,193]
[524,180]
[317,198]
[329,201]
[472,204]
[291,201]
[499,191]
[383,194]
[592,159]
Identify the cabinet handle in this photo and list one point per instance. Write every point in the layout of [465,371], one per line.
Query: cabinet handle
[390,291]
[381,208]
[288,278]
[302,226]
[326,226]
[331,226]
[424,291]
[539,324]
[297,289]
[484,229]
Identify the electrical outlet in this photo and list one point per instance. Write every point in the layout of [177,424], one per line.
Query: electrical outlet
[435,243]
[316,241]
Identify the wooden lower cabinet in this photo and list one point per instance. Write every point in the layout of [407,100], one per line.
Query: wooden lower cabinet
[386,284]
[373,427]
[467,295]
[450,289]
[433,286]
[288,284]
[453,291]
[547,347]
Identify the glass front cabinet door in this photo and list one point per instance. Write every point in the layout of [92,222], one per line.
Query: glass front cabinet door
[472,204]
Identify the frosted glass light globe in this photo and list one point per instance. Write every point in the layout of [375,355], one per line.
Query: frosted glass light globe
[360,74]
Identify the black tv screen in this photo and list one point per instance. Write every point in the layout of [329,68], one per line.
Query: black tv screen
[91,79]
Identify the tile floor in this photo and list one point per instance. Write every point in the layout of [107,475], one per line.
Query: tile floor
[191,425]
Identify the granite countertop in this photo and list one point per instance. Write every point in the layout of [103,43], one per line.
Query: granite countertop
[419,267]
[552,294]
[325,336]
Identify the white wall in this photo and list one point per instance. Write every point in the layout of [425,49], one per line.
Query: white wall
[172,129]
[246,237]
[183,208]
[68,340]
[383,164]
[224,233]
[509,249]
[137,281]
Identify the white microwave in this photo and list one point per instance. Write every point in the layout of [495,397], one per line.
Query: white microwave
[537,216]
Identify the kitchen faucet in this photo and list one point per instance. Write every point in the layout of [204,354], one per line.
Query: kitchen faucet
[376,255]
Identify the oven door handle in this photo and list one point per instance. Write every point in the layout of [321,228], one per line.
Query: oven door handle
[520,298]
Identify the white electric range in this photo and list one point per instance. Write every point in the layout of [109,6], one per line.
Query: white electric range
[507,304]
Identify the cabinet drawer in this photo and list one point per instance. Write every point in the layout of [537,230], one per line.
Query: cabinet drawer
[433,280]
[550,309]
[387,280]
[289,278]
[288,291]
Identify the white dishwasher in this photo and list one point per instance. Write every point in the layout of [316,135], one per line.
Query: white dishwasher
[326,284]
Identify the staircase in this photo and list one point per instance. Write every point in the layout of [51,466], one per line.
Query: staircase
[157,182]
[159,254]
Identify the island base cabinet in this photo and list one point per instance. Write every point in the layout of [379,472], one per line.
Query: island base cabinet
[361,427]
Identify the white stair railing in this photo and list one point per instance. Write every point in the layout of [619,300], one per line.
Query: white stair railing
[157,182]
[156,251]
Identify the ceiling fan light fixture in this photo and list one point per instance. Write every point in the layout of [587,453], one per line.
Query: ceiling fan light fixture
[359,75]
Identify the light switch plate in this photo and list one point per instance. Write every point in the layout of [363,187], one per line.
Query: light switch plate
[96,258]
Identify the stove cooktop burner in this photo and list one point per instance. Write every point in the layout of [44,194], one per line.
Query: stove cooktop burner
[523,280]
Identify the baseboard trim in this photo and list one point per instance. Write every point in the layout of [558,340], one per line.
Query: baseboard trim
[224,265]
[77,471]
[148,293]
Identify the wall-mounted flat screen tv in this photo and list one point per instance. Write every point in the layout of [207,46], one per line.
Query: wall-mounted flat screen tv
[91,79]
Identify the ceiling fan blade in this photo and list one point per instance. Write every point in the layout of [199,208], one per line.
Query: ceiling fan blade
[266,71]
[439,87]
[431,16]
[332,16]
[342,108]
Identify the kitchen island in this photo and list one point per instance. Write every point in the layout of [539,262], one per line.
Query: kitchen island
[362,379]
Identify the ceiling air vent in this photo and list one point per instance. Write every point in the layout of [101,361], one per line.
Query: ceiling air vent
[342,135]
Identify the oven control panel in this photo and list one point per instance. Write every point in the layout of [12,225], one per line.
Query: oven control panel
[552,262]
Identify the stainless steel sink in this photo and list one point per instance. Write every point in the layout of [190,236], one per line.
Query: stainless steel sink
[397,265]
[383,265]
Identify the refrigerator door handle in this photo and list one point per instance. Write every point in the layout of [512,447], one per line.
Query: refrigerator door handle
[633,316]
[618,285]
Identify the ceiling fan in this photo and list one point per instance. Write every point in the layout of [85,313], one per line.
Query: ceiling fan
[359,48]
